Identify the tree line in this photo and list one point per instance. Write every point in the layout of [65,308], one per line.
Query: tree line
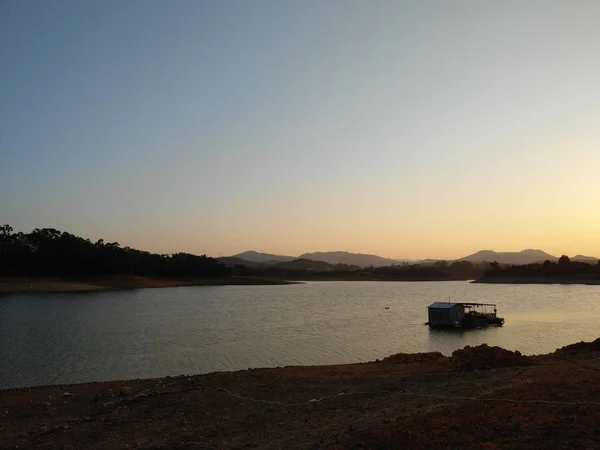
[563,267]
[50,252]
[441,270]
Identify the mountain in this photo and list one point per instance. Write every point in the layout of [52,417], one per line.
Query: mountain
[353,259]
[409,261]
[528,256]
[304,264]
[585,259]
[427,262]
[257,257]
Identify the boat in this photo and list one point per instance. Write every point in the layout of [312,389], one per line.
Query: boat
[463,315]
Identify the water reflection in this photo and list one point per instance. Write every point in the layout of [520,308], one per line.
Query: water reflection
[78,337]
[449,339]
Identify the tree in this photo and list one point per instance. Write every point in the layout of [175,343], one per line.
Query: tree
[495,266]
[564,260]
[48,251]
[5,230]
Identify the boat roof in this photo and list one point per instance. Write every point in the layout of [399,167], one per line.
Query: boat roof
[442,305]
[448,305]
[478,304]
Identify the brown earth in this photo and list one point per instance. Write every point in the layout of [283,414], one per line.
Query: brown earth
[404,401]
[580,347]
[483,357]
[48,284]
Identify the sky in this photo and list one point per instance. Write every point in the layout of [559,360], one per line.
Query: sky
[408,129]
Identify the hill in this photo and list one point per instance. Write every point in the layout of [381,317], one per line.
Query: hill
[427,262]
[586,259]
[528,256]
[304,264]
[353,259]
[258,257]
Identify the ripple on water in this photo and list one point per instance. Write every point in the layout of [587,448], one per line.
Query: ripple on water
[77,337]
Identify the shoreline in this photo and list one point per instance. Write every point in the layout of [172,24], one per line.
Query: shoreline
[478,397]
[9,285]
[536,280]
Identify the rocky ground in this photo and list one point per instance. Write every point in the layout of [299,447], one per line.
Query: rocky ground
[481,397]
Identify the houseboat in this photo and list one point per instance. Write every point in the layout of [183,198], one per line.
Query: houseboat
[463,315]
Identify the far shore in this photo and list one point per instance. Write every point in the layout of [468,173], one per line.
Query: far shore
[366,277]
[122,282]
[538,280]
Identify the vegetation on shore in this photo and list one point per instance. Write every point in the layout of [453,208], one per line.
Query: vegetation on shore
[53,259]
[307,270]
[50,252]
[48,260]
[59,260]
[563,271]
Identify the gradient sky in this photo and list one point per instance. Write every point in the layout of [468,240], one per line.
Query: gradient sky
[406,129]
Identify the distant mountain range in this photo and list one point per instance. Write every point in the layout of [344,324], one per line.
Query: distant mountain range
[586,259]
[263,257]
[528,256]
[258,259]
[353,259]
[309,264]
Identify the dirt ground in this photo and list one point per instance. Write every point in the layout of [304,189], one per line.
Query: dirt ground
[482,397]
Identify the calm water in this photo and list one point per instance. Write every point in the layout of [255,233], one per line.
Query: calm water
[78,337]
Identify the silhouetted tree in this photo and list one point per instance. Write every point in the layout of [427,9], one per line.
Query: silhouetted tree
[48,251]
[5,231]
[564,260]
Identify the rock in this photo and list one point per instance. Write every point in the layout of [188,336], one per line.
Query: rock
[126,391]
[408,358]
[581,347]
[484,357]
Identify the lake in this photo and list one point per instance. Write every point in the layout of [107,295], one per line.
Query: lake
[79,337]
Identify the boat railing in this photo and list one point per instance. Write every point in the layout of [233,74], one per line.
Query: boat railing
[488,315]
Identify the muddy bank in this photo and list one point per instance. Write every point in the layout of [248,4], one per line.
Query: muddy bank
[479,397]
[47,284]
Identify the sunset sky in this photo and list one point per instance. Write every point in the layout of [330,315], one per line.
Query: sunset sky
[408,129]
